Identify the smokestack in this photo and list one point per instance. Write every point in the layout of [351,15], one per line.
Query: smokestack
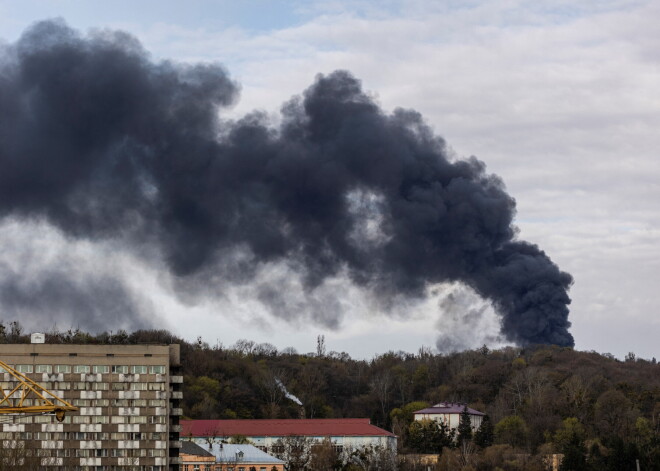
[106,144]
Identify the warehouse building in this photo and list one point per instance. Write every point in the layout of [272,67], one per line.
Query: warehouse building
[267,434]
[129,406]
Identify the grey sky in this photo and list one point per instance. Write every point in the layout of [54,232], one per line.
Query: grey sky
[560,99]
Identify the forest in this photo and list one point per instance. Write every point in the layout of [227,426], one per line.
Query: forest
[599,412]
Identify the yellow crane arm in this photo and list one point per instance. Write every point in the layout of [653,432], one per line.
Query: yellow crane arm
[12,402]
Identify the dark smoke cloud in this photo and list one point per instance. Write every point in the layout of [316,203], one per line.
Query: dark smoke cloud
[104,143]
[55,301]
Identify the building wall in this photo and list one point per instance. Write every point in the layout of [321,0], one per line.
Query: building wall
[451,419]
[129,400]
[347,442]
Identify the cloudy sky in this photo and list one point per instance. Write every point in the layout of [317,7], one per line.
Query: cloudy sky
[558,98]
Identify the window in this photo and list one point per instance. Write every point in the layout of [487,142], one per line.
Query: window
[138,369]
[44,369]
[62,368]
[24,368]
[100,386]
[138,386]
[119,369]
[157,369]
[156,386]
[81,369]
[101,369]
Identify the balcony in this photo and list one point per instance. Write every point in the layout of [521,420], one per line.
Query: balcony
[176,379]
[175,444]
[176,411]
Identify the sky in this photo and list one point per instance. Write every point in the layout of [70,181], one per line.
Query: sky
[558,98]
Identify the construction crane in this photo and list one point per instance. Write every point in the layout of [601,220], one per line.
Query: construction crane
[45,402]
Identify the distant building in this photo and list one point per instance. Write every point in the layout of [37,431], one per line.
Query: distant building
[244,458]
[450,414]
[128,398]
[195,458]
[226,457]
[265,434]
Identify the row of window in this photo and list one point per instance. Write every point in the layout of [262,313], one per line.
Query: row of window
[86,436]
[101,453]
[105,468]
[124,403]
[84,386]
[103,369]
[118,402]
[92,419]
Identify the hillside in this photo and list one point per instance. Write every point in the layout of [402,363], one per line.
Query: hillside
[529,393]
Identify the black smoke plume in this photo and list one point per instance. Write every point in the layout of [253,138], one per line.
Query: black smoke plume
[106,144]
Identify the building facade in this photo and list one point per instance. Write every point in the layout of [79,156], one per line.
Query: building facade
[129,406]
[449,413]
[267,434]
[226,457]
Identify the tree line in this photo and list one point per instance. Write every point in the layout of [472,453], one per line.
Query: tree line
[597,411]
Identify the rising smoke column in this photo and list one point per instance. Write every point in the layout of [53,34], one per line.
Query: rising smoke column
[106,144]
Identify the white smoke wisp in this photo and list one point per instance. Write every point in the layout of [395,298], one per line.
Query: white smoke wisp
[465,320]
[287,393]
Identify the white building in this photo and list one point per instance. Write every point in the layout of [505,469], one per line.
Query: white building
[345,434]
[449,413]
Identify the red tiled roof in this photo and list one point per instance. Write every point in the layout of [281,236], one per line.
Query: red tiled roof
[282,428]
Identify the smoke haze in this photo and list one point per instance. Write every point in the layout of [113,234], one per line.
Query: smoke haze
[104,144]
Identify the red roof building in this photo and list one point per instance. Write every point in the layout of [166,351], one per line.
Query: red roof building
[264,434]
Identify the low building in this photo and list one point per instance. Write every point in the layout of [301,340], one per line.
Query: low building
[243,457]
[195,458]
[227,457]
[344,434]
[449,413]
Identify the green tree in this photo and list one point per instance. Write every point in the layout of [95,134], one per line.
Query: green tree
[429,436]
[569,441]
[511,430]
[464,427]
[485,434]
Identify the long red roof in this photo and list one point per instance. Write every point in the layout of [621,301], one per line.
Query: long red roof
[282,428]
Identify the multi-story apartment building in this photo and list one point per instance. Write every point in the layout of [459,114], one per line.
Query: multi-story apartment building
[129,406]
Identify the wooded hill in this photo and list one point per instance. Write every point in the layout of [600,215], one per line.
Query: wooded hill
[528,393]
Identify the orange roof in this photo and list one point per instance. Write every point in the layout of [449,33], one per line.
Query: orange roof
[282,428]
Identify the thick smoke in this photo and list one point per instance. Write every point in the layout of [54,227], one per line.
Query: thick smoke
[106,144]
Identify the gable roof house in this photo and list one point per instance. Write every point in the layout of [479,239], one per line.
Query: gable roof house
[450,414]
[196,458]
[247,457]
[225,457]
